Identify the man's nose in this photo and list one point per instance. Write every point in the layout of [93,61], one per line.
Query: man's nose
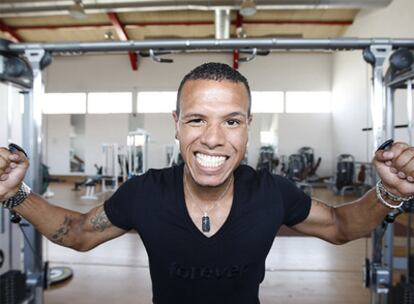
[213,136]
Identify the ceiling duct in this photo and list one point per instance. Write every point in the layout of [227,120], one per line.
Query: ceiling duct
[222,23]
[10,8]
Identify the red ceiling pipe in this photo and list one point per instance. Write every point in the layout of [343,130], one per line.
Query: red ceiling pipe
[235,59]
[15,37]
[239,23]
[123,36]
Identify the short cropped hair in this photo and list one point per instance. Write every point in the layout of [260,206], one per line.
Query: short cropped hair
[214,71]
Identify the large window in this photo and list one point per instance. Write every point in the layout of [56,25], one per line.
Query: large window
[64,103]
[106,103]
[156,102]
[267,102]
[165,102]
[308,102]
[268,138]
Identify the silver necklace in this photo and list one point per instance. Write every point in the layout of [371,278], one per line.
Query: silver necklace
[205,220]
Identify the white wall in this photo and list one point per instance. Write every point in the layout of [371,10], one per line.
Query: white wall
[58,132]
[290,71]
[100,129]
[78,143]
[351,106]
[284,71]
[162,133]
[279,71]
[351,79]
[11,123]
[4,102]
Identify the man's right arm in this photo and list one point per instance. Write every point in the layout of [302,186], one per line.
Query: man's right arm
[68,228]
[62,226]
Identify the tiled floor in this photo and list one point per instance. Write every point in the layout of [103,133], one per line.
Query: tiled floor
[301,270]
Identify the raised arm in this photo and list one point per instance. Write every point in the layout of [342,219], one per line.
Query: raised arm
[346,222]
[357,219]
[68,228]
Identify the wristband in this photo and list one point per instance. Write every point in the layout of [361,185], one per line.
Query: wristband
[18,198]
[380,190]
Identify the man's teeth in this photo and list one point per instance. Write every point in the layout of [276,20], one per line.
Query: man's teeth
[210,161]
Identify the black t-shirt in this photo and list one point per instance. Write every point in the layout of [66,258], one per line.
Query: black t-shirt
[186,266]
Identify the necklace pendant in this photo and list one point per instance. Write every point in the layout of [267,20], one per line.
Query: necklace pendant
[205,223]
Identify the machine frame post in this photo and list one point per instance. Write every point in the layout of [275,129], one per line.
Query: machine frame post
[32,142]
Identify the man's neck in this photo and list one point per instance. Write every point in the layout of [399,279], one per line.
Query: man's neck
[207,194]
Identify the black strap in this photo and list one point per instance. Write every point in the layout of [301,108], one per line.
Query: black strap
[13,148]
[385,145]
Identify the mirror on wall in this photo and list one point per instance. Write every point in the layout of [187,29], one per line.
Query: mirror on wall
[77,143]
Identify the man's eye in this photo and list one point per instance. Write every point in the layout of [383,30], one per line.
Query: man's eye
[233,122]
[195,122]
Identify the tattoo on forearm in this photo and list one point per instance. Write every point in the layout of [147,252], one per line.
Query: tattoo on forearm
[100,221]
[62,231]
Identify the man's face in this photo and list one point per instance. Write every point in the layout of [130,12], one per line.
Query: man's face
[212,128]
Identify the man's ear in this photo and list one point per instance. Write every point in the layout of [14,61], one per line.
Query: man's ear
[175,116]
[176,123]
[249,119]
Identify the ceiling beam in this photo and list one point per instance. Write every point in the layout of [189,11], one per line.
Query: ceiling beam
[15,37]
[123,36]
[42,7]
[188,23]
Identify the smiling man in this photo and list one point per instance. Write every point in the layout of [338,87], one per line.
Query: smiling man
[208,225]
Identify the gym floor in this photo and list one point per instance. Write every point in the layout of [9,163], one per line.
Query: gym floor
[299,269]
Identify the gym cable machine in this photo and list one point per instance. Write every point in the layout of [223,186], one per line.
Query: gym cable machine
[22,63]
[378,272]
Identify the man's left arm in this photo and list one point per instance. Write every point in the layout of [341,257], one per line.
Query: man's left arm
[357,219]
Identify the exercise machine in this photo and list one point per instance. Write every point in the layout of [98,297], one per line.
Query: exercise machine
[311,165]
[107,174]
[296,171]
[22,276]
[110,167]
[345,174]
[90,184]
[296,168]
[379,269]
[137,152]
[267,159]
[31,59]
[350,176]
[301,169]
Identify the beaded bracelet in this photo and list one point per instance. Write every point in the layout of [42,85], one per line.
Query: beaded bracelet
[18,198]
[402,199]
